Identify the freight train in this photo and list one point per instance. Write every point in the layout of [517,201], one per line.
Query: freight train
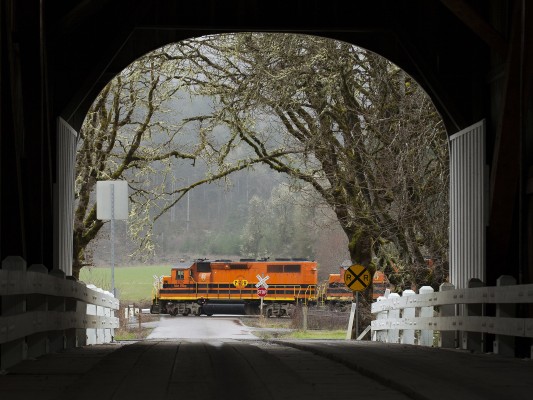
[230,287]
[225,286]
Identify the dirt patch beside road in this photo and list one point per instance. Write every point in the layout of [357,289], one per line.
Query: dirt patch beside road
[268,328]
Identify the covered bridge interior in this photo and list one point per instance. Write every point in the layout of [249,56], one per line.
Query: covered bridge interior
[473,58]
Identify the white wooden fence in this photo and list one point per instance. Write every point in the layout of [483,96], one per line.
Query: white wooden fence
[455,318]
[44,312]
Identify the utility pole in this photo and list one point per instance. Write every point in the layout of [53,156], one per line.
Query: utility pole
[188,205]
[112,204]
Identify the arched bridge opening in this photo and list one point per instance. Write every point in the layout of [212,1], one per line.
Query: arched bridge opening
[474,62]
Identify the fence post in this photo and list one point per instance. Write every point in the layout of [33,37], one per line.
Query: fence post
[14,351]
[57,338]
[109,333]
[473,341]
[426,335]
[447,339]
[100,332]
[408,335]
[393,335]
[71,305]
[504,345]
[37,342]
[81,309]
[380,335]
[349,330]
[91,310]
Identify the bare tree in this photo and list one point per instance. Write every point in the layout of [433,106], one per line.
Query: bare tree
[134,132]
[337,119]
[255,229]
[354,127]
[123,136]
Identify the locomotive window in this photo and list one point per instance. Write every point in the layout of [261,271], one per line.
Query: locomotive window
[274,268]
[238,266]
[179,275]
[203,267]
[284,268]
[292,268]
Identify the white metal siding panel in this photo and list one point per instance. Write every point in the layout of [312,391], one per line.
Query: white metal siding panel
[467,205]
[66,163]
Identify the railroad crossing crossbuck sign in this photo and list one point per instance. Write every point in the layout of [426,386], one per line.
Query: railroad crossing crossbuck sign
[262,281]
[357,278]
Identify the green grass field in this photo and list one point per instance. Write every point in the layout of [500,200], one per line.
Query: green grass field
[134,283]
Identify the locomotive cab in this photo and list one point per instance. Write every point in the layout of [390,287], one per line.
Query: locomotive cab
[181,275]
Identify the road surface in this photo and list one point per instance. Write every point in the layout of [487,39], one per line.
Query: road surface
[219,369]
[201,328]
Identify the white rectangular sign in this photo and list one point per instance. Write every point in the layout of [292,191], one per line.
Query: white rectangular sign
[103,200]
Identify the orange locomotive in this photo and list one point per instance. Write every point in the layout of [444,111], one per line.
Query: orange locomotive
[225,286]
[334,293]
[380,283]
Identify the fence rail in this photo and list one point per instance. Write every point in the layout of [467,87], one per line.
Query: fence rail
[459,316]
[43,312]
[487,295]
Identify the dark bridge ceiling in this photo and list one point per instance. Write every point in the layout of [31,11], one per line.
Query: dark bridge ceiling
[91,41]
[473,57]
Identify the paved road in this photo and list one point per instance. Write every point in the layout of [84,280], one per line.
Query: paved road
[201,328]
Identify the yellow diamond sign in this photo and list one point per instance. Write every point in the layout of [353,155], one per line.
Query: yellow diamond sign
[357,278]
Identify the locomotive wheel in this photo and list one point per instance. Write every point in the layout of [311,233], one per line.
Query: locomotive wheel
[198,312]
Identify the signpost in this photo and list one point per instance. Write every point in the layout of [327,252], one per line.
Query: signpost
[356,278]
[112,204]
[262,287]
